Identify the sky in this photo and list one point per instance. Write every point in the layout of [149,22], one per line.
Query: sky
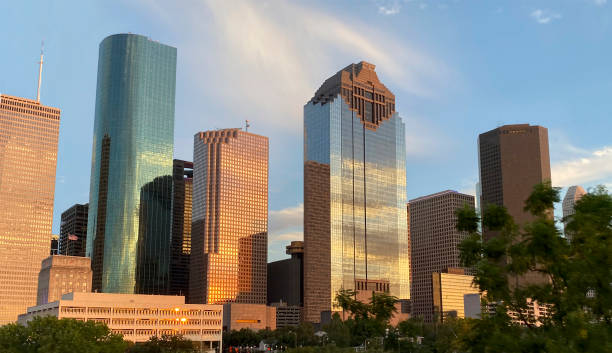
[457,68]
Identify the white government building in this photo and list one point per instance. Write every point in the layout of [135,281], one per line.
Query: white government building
[138,317]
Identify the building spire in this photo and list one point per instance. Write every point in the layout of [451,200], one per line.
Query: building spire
[40,63]
[246,127]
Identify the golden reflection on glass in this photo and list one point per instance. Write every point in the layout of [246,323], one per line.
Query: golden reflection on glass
[230,218]
[28,154]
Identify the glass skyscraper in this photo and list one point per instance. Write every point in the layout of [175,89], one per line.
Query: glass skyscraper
[355,226]
[128,230]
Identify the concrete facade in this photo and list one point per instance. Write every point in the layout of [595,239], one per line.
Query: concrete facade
[252,316]
[63,274]
[139,317]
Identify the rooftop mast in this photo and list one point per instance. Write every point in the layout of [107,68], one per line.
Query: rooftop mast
[42,46]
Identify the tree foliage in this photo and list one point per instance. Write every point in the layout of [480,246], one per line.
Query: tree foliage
[165,344]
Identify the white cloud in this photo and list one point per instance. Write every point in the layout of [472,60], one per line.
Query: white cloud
[584,167]
[387,7]
[287,218]
[544,16]
[264,60]
[600,2]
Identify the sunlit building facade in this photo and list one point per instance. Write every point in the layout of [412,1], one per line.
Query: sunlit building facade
[128,229]
[355,222]
[28,154]
[449,291]
[229,233]
[573,195]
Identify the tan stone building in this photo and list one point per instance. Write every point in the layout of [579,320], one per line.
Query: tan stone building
[63,274]
[229,234]
[28,153]
[138,317]
[252,316]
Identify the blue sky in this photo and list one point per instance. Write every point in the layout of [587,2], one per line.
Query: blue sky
[457,68]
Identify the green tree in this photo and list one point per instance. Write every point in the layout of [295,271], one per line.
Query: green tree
[165,344]
[50,335]
[577,275]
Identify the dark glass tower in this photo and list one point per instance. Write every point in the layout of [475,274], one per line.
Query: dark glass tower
[182,188]
[73,231]
[128,231]
[355,228]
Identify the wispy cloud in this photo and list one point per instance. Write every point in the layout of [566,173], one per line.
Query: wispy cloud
[600,2]
[389,7]
[285,226]
[584,167]
[265,59]
[544,16]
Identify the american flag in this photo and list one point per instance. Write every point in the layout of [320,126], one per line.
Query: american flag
[72,237]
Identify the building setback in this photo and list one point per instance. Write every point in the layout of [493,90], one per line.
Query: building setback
[573,195]
[28,154]
[229,233]
[512,160]
[182,187]
[73,231]
[355,233]
[285,277]
[61,274]
[128,230]
[434,244]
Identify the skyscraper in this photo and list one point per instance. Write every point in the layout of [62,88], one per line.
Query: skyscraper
[574,193]
[355,234]
[285,277]
[512,160]
[229,234]
[128,230]
[182,189]
[434,243]
[73,230]
[28,154]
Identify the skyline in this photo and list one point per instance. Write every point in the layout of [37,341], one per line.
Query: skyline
[443,87]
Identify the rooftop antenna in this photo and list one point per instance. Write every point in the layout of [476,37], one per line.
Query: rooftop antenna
[246,128]
[40,63]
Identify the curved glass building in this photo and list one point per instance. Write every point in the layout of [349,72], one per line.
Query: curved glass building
[128,230]
[355,226]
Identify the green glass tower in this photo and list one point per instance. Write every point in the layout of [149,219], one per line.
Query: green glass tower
[128,230]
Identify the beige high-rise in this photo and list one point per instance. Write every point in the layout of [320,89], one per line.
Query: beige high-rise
[28,155]
[229,234]
[62,274]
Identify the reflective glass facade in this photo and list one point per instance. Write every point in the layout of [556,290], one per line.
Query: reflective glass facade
[229,233]
[367,231]
[128,230]
[28,154]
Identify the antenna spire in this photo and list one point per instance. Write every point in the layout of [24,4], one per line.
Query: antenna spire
[40,63]
[246,128]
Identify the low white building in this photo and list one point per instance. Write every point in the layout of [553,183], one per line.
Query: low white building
[138,317]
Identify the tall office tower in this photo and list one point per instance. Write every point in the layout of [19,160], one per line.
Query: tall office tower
[73,230]
[229,234]
[182,188]
[355,233]
[128,230]
[435,241]
[28,153]
[512,160]
[574,193]
[409,252]
[285,282]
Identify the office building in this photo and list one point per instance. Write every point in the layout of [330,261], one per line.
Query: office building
[287,315]
[254,317]
[449,291]
[574,193]
[182,187]
[28,154]
[139,317]
[54,248]
[229,234]
[355,234]
[285,277]
[512,160]
[128,228]
[73,230]
[61,274]
[434,243]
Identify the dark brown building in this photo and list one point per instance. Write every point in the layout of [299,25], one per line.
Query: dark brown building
[182,187]
[434,243]
[513,159]
[73,230]
[285,282]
